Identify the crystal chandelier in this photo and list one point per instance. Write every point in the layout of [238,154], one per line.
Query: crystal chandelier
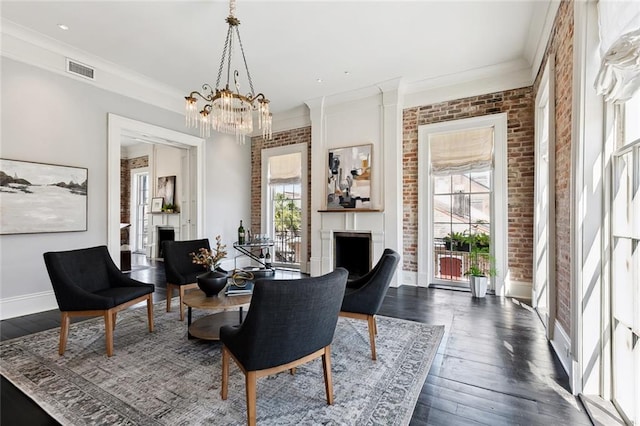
[226,110]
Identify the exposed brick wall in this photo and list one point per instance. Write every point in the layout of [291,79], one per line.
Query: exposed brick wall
[560,47]
[126,165]
[518,104]
[288,137]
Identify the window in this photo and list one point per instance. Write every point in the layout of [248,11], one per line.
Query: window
[625,271]
[461,216]
[140,218]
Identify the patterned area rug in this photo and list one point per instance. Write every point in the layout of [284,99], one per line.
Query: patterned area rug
[161,378]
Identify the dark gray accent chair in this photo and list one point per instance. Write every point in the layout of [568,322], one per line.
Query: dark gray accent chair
[363,296]
[86,282]
[179,268]
[289,323]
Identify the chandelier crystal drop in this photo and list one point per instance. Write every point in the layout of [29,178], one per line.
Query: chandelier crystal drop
[226,110]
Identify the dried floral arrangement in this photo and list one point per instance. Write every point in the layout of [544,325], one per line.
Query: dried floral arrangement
[210,259]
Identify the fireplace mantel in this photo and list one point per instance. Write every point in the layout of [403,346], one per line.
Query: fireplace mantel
[351,211]
[353,221]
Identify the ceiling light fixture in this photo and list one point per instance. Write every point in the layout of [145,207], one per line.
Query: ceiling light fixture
[226,110]
[63,27]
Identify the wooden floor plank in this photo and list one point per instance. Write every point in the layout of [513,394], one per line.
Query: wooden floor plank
[494,365]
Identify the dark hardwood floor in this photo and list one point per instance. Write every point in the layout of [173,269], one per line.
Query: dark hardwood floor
[494,365]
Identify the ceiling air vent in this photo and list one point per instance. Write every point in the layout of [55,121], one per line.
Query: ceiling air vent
[79,69]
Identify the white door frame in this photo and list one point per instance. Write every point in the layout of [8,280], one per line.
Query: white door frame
[545,224]
[117,127]
[499,198]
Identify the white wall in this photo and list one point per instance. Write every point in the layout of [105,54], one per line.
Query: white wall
[167,162]
[54,119]
[227,191]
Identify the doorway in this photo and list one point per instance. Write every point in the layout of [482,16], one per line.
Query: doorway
[284,212]
[121,128]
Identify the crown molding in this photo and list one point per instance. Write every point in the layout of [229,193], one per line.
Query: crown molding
[495,78]
[535,54]
[33,48]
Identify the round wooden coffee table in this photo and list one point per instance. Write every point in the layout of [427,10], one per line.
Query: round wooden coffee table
[208,328]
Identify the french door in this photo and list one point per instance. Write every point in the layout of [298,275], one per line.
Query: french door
[543,297]
[284,213]
[625,282]
[140,202]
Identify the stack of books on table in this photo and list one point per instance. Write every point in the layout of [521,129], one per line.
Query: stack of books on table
[237,290]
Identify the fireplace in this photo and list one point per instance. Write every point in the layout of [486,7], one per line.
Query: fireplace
[165,233]
[352,251]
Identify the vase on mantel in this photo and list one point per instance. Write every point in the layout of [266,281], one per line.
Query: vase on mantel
[212,282]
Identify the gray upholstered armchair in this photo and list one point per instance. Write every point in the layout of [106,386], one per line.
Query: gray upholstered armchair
[363,296]
[86,282]
[179,268]
[289,323]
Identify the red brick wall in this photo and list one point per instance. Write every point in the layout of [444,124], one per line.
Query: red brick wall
[288,137]
[560,47]
[518,104]
[126,165]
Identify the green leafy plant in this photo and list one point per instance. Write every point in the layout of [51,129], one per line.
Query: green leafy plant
[481,264]
[457,241]
[169,207]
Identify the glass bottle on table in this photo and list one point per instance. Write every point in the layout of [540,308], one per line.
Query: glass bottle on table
[241,234]
[267,260]
[261,256]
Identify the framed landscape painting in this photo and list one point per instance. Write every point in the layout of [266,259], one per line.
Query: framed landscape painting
[38,197]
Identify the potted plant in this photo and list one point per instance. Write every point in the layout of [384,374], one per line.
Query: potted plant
[170,208]
[481,268]
[456,241]
[213,281]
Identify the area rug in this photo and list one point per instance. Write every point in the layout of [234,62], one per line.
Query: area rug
[162,378]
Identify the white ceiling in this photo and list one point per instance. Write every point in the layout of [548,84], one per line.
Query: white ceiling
[290,44]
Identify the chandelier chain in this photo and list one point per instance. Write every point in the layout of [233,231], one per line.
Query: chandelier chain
[224,53]
[246,67]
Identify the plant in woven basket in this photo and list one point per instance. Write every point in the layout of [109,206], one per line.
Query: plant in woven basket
[210,259]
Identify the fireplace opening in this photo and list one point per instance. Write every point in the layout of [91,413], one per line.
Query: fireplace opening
[352,251]
[164,234]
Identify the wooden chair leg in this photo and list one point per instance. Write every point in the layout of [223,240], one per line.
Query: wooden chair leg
[250,380]
[225,373]
[326,367]
[181,292]
[372,335]
[150,313]
[113,319]
[64,332]
[108,329]
[169,296]
[292,371]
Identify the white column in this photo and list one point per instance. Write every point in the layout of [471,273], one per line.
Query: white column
[391,122]
[318,176]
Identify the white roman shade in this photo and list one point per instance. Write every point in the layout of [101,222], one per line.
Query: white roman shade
[619,25]
[285,169]
[461,152]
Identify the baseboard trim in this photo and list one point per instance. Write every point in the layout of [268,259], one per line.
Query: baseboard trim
[519,290]
[561,344]
[33,303]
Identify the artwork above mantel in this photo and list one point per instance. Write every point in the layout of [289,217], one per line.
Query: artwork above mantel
[349,178]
